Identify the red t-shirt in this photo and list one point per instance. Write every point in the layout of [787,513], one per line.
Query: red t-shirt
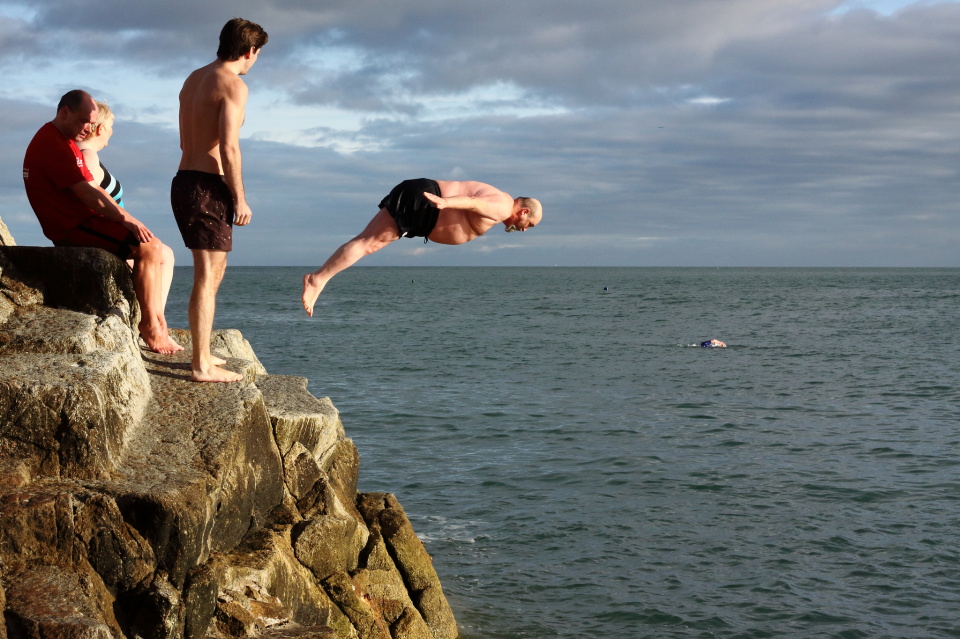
[51,166]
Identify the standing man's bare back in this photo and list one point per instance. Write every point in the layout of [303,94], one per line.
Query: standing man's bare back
[207,193]
[212,109]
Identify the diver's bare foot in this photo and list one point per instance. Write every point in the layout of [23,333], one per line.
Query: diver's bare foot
[159,341]
[311,291]
[214,374]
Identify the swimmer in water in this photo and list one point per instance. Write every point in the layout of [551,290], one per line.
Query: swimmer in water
[712,343]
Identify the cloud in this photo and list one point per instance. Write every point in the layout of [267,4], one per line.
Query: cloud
[745,132]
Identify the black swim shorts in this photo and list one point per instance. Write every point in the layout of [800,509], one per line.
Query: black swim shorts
[414,214]
[203,207]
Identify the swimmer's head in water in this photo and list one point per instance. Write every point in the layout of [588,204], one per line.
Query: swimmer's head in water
[712,343]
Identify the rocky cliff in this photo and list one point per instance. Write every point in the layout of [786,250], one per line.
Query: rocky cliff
[135,503]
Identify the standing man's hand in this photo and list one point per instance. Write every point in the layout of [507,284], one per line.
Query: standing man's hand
[242,215]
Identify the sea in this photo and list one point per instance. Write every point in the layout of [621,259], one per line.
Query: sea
[578,467]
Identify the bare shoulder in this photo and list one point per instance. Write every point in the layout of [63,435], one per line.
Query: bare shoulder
[230,85]
[470,189]
[213,82]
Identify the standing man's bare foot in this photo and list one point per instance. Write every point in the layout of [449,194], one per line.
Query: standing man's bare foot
[311,291]
[214,374]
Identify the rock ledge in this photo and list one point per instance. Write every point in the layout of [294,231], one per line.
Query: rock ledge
[135,503]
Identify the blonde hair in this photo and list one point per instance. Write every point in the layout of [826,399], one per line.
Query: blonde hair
[103,114]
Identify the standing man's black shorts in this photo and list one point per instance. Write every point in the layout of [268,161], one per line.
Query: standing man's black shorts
[203,207]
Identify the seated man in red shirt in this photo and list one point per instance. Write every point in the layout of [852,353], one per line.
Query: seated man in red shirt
[73,211]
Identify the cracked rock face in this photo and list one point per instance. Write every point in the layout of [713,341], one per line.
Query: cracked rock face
[135,503]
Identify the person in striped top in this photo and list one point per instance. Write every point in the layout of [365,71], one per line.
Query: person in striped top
[90,147]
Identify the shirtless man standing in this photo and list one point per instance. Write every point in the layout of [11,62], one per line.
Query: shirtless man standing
[441,211]
[207,193]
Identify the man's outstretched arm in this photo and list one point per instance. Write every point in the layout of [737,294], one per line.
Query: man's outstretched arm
[494,205]
[100,202]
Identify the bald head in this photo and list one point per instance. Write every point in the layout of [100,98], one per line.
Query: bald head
[76,114]
[536,211]
[527,214]
[73,99]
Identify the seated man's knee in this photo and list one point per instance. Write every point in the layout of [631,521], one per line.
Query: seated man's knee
[152,250]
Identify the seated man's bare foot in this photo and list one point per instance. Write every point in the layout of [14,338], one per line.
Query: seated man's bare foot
[214,374]
[174,343]
[311,291]
[159,341]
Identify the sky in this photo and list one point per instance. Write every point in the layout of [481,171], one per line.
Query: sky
[681,133]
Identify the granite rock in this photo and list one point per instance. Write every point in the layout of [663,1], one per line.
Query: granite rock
[5,238]
[136,503]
